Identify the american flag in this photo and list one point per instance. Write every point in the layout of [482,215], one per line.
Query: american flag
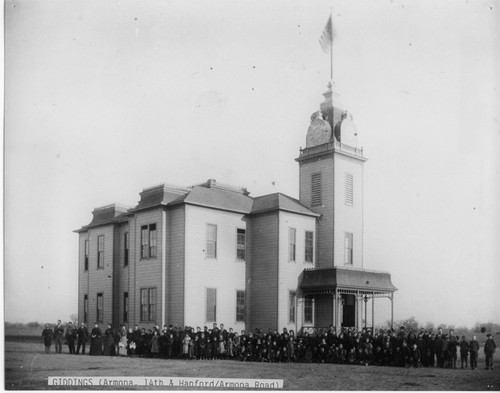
[327,36]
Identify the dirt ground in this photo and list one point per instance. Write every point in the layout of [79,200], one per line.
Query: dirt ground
[27,367]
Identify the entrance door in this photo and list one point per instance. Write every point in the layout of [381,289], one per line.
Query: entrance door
[349,311]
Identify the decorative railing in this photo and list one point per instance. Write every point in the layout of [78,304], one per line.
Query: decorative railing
[345,268]
[331,146]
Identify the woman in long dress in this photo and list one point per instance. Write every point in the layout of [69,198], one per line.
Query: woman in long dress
[185,346]
[109,342]
[155,344]
[122,344]
[95,341]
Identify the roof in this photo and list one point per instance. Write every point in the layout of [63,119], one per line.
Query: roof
[160,195]
[109,214]
[218,199]
[346,278]
[280,201]
[209,194]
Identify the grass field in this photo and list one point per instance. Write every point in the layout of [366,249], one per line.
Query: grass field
[27,367]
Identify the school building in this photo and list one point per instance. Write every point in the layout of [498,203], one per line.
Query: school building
[213,253]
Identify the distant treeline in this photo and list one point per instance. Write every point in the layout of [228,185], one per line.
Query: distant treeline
[24,326]
[479,327]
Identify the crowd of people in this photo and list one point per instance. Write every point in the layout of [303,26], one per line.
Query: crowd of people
[402,348]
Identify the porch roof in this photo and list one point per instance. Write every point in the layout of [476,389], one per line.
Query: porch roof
[346,278]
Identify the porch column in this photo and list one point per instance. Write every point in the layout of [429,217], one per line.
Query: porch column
[299,313]
[359,311]
[340,317]
[373,312]
[365,299]
[392,310]
[334,310]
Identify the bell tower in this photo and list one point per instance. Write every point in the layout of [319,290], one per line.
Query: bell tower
[331,183]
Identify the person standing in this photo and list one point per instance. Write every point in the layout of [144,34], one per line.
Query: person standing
[473,350]
[438,350]
[47,335]
[70,338]
[58,335]
[95,341]
[122,345]
[155,344]
[452,351]
[109,342]
[464,351]
[83,335]
[489,350]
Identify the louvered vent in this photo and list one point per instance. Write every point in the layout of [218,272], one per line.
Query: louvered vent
[316,189]
[349,191]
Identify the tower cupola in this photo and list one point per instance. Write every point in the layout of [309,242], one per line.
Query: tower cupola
[332,123]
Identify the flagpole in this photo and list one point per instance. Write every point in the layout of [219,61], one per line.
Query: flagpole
[331,46]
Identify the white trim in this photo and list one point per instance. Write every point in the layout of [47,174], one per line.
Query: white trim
[163,264]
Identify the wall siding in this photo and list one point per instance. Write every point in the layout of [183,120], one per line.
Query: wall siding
[289,271]
[83,276]
[120,274]
[224,273]
[147,270]
[101,280]
[325,234]
[132,296]
[175,266]
[262,271]
[348,218]
[336,217]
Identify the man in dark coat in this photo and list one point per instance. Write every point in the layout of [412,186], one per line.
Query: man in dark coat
[452,351]
[70,337]
[47,335]
[489,350]
[58,336]
[83,335]
[464,351]
[438,350]
[473,350]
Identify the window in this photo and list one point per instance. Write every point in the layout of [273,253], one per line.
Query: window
[211,315]
[148,304]
[125,251]
[316,189]
[348,248]
[308,310]
[211,241]
[100,307]
[240,306]
[85,308]
[125,307]
[144,241]
[291,306]
[86,247]
[309,247]
[100,252]
[152,240]
[349,191]
[240,244]
[148,241]
[291,244]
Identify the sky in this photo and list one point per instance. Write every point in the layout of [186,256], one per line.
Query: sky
[103,99]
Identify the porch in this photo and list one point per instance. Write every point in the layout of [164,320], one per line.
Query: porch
[341,295]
